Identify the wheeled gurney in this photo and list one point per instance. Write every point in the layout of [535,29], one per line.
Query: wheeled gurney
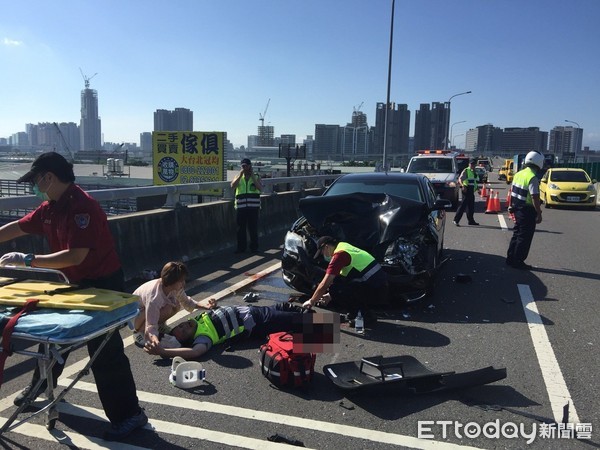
[58,325]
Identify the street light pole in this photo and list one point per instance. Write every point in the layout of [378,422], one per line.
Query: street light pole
[579,128]
[455,123]
[389,81]
[452,141]
[447,122]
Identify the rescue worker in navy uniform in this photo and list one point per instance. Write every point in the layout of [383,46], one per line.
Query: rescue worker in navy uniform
[353,279]
[526,206]
[82,247]
[247,187]
[198,334]
[468,181]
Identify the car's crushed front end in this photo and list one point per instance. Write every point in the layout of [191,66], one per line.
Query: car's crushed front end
[395,230]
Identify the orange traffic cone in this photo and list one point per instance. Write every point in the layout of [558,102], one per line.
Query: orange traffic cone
[484,193]
[493,203]
[508,198]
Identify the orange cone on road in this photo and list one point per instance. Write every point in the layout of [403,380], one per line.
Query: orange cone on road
[493,203]
[484,193]
[508,199]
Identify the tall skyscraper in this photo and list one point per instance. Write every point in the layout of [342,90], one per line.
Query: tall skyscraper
[327,142]
[565,142]
[90,128]
[397,130]
[430,126]
[181,119]
[489,139]
[355,137]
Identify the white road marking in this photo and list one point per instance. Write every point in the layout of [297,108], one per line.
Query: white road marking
[553,378]
[502,221]
[68,438]
[250,414]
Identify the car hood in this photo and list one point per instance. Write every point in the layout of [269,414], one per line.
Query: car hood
[440,177]
[364,220]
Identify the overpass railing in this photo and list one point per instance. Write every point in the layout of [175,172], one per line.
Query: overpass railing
[173,192]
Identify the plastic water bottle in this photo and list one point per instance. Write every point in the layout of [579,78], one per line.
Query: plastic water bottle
[359,323]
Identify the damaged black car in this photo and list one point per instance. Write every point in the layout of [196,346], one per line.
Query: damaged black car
[397,217]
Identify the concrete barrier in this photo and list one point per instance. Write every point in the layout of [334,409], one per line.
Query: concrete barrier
[148,239]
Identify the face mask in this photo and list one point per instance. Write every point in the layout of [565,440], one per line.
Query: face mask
[39,194]
[327,258]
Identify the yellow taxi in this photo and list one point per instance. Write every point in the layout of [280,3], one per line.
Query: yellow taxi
[568,187]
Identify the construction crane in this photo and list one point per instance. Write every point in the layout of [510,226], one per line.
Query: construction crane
[262,116]
[357,108]
[65,143]
[86,80]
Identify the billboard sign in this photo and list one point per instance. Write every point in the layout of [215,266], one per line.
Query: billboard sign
[182,157]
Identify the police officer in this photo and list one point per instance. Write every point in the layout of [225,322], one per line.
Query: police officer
[82,246]
[526,206]
[247,187]
[468,181]
[353,279]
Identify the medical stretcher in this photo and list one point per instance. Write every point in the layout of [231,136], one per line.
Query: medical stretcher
[66,318]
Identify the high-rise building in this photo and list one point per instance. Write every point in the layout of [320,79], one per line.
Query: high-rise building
[471,137]
[180,119]
[266,135]
[565,142]
[90,127]
[288,139]
[523,140]
[397,130]
[327,142]
[430,126]
[489,139]
[355,137]
[146,141]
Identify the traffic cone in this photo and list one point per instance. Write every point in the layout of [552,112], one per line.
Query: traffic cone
[493,203]
[497,207]
[508,198]
[484,193]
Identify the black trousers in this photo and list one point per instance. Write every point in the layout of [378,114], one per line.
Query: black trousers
[360,295]
[467,204]
[523,232]
[111,369]
[247,224]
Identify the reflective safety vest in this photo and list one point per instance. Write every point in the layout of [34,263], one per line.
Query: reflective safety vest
[472,178]
[247,195]
[218,324]
[519,193]
[362,265]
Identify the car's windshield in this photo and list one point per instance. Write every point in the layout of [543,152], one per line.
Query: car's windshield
[567,175]
[461,164]
[406,190]
[430,165]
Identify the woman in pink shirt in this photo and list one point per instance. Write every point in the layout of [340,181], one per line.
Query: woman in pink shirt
[161,299]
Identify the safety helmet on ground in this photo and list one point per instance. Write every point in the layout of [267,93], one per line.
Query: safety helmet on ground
[535,158]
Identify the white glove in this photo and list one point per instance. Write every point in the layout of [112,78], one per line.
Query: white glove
[13,259]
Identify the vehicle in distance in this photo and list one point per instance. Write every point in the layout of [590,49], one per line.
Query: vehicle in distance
[396,217]
[568,187]
[441,169]
[482,174]
[487,163]
[503,170]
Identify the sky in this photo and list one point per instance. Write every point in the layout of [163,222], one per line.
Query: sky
[528,63]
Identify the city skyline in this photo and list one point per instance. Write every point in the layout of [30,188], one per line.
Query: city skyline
[316,61]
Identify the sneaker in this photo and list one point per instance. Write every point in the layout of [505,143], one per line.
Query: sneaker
[20,399]
[139,340]
[456,223]
[126,427]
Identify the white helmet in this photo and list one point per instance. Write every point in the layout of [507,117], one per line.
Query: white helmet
[535,158]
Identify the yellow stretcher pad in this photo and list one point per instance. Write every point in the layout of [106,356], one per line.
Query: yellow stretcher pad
[64,296]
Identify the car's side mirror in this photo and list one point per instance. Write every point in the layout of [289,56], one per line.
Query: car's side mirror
[441,203]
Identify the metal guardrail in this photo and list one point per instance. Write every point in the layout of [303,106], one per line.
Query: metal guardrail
[173,192]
